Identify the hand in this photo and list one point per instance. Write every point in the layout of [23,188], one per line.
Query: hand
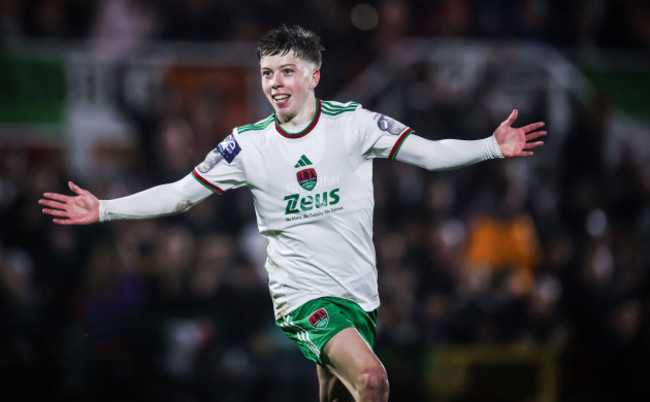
[514,142]
[70,210]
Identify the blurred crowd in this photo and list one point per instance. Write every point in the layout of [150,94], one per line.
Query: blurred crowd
[561,23]
[354,31]
[177,309]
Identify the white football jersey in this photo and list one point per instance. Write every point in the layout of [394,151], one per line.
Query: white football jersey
[313,195]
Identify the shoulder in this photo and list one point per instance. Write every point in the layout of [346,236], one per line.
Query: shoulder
[258,126]
[334,108]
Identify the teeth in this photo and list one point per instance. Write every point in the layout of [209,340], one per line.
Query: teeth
[280,97]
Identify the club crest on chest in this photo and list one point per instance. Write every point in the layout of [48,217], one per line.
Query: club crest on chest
[307,177]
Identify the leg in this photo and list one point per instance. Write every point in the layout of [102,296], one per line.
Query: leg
[331,389]
[349,358]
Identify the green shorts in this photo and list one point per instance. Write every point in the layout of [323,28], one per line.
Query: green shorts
[313,324]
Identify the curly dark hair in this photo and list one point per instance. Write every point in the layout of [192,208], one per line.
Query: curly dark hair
[304,43]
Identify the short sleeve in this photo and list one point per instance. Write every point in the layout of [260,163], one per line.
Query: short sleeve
[223,167]
[380,136]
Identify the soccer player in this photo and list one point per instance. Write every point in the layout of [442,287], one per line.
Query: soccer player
[309,168]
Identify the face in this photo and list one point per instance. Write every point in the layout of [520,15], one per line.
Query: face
[288,83]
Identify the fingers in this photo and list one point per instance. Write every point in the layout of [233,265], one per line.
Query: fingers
[63,221]
[52,204]
[533,126]
[76,189]
[511,119]
[62,207]
[55,208]
[57,197]
[531,145]
[535,135]
[55,212]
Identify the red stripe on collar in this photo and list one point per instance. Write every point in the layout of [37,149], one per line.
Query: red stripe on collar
[307,129]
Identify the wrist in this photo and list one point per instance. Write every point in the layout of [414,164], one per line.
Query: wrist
[493,149]
[103,216]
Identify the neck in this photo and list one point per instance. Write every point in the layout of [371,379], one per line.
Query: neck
[303,116]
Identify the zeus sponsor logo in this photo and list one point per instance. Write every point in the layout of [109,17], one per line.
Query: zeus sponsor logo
[297,203]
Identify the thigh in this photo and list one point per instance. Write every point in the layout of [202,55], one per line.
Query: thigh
[317,322]
[349,357]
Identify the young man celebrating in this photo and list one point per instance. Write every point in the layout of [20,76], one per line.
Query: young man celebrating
[309,168]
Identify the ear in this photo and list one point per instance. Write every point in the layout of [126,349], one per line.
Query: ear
[315,78]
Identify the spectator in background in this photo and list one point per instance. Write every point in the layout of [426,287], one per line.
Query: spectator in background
[47,19]
[584,162]
[175,149]
[11,21]
[502,237]
[199,20]
[122,26]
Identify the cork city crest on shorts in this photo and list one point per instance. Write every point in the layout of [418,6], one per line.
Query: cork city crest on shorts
[319,319]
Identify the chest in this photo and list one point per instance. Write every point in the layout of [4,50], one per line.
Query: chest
[314,163]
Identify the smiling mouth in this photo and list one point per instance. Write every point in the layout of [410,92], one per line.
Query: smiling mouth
[280,98]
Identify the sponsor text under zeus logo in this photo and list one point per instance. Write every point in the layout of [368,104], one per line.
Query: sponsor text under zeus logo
[323,181]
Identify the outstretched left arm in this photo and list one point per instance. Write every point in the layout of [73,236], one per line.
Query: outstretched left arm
[506,142]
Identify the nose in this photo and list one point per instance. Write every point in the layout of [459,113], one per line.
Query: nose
[276,81]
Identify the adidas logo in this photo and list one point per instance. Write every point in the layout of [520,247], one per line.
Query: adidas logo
[302,162]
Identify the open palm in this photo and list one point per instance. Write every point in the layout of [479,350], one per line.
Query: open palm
[81,209]
[515,142]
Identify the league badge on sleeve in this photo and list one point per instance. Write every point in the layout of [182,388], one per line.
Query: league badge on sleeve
[392,126]
[229,148]
[211,160]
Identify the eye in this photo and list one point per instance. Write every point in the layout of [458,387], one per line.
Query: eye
[266,73]
[287,71]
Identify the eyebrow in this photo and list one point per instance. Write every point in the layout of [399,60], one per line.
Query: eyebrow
[281,67]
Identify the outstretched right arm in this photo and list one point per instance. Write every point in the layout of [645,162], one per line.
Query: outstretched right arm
[85,208]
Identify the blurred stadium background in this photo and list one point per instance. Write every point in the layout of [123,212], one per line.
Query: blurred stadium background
[521,280]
